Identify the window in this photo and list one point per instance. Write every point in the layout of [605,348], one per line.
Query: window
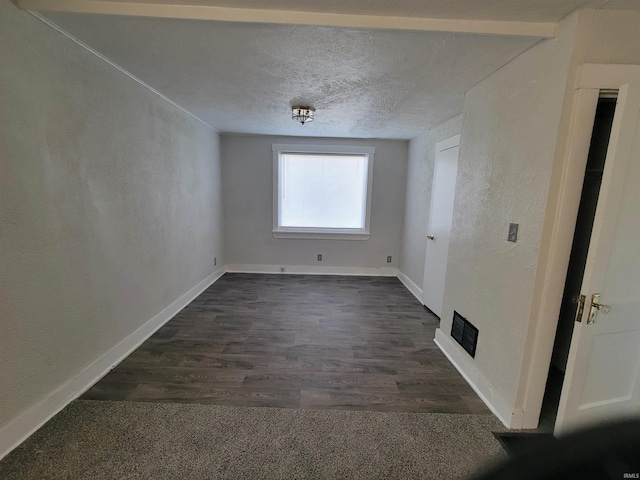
[322,191]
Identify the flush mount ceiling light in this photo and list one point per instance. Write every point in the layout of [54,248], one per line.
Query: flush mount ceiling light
[303,114]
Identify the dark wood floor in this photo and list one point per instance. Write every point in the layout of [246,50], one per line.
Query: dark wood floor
[296,341]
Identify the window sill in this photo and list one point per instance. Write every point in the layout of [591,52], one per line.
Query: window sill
[321,235]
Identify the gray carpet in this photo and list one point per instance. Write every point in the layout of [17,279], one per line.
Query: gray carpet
[125,440]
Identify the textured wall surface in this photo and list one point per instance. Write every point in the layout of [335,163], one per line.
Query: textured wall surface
[247,165]
[509,132]
[109,207]
[602,37]
[606,36]
[422,154]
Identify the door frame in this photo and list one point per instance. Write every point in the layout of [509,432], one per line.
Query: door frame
[572,148]
[441,146]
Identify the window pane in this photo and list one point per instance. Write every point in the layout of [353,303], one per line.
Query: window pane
[322,191]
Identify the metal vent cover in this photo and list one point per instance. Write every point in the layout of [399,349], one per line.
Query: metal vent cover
[464,333]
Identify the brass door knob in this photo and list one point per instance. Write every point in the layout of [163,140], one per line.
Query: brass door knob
[596,307]
[431,237]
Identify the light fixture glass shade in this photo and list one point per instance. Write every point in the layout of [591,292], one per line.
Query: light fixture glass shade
[303,114]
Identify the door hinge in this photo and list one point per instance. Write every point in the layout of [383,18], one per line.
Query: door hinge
[581,300]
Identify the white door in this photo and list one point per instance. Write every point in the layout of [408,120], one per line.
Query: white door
[439,231]
[602,380]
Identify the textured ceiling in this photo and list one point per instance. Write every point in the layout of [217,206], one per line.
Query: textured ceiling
[243,78]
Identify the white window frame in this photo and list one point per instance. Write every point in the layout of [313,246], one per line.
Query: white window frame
[321,233]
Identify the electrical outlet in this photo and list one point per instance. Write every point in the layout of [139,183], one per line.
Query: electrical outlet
[215,261]
[513,232]
[389,259]
[281,269]
[319,257]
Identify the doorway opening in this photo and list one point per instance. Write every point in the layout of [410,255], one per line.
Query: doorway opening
[578,259]
[440,218]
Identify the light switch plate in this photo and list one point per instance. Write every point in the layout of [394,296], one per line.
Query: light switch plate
[513,232]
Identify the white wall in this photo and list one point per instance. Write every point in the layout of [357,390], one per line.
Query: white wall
[248,199]
[608,36]
[603,36]
[110,208]
[422,153]
[509,134]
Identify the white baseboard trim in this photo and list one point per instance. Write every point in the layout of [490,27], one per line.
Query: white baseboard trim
[411,286]
[496,403]
[26,423]
[312,270]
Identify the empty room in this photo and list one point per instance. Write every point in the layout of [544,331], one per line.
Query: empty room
[319,239]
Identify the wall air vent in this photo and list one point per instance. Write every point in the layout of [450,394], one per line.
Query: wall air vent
[464,333]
